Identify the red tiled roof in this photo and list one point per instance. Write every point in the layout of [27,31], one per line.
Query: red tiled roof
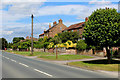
[74,26]
[41,34]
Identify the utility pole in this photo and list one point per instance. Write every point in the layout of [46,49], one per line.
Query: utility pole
[32,37]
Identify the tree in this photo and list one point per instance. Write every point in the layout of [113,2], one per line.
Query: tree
[81,45]
[24,45]
[17,39]
[56,40]
[3,43]
[10,45]
[40,40]
[102,29]
[72,36]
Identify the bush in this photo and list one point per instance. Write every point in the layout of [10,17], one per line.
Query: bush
[81,45]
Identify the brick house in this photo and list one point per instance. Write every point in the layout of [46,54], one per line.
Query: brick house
[41,35]
[29,38]
[53,30]
[79,27]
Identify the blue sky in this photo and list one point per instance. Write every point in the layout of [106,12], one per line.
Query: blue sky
[16,20]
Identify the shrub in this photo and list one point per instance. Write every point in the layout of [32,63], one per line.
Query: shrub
[81,45]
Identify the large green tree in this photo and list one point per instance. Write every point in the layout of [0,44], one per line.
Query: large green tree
[24,45]
[3,43]
[103,29]
[17,39]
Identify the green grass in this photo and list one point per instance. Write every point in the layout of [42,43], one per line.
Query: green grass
[51,56]
[65,57]
[97,65]
[27,53]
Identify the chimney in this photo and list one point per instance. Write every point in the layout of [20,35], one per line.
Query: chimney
[60,20]
[86,19]
[49,25]
[54,23]
[106,8]
[27,37]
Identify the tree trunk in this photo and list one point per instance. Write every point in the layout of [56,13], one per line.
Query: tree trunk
[44,49]
[108,55]
[93,50]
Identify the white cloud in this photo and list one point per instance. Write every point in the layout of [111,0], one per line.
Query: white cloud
[6,32]
[65,9]
[99,2]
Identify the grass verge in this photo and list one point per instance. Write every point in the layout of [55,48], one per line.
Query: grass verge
[51,56]
[97,65]
[65,57]
[27,53]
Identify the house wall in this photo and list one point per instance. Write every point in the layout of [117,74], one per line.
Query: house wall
[41,36]
[76,30]
[56,29]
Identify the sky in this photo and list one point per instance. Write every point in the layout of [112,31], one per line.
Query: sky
[15,15]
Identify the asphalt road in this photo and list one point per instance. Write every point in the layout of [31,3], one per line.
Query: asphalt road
[16,66]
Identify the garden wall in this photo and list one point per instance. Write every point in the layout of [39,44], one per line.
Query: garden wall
[90,52]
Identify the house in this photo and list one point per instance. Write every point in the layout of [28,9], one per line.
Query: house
[29,38]
[79,27]
[53,30]
[41,35]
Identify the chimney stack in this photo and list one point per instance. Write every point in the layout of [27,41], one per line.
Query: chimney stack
[60,20]
[49,25]
[27,37]
[54,23]
[86,19]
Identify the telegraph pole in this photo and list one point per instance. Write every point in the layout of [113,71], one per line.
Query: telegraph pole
[32,36]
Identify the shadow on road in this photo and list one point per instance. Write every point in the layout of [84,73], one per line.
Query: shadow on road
[103,61]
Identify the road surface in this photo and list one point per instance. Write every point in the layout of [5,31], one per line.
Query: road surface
[16,66]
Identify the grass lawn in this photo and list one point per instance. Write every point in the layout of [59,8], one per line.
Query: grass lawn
[65,57]
[97,65]
[51,56]
[27,53]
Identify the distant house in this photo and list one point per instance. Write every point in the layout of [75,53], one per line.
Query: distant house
[79,27]
[53,30]
[41,35]
[29,38]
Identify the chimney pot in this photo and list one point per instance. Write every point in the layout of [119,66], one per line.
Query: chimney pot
[60,20]
[54,23]
[49,25]
[86,19]
[27,37]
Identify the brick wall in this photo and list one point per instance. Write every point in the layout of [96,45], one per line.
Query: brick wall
[58,28]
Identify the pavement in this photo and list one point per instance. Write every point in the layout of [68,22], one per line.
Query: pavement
[67,61]
[16,66]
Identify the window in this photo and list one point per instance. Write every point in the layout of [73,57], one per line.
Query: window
[60,28]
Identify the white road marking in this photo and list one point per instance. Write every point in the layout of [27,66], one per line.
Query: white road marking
[13,60]
[43,72]
[24,64]
[7,58]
